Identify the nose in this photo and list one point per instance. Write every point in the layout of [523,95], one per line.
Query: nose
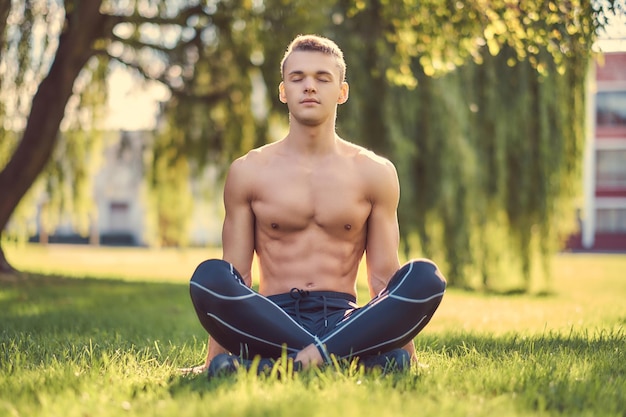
[309,85]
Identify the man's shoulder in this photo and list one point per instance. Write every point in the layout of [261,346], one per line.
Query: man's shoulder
[368,158]
[244,171]
[254,157]
[378,172]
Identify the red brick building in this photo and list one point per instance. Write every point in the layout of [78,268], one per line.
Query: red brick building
[603,212]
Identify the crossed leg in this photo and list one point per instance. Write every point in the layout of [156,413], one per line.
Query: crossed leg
[245,322]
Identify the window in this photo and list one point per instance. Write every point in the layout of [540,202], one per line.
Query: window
[611,220]
[119,216]
[611,169]
[611,109]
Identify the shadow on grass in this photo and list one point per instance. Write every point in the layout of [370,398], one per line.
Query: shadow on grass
[79,309]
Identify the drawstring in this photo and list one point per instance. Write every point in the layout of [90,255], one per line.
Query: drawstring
[298,294]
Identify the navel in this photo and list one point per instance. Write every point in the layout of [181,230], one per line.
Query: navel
[347,226]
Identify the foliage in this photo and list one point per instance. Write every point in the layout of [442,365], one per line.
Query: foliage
[207,55]
[465,97]
[507,158]
[489,157]
[169,196]
[33,42]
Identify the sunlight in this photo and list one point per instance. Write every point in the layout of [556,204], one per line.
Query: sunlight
[133,104]
[613,37]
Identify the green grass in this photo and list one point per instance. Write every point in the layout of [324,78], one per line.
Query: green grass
[103,332]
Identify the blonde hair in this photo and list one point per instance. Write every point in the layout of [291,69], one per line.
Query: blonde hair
[315,43]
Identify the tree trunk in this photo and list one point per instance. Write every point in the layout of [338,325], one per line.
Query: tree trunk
[5,267]
[83,25]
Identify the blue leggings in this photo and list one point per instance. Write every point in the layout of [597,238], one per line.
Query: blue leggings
[248,324]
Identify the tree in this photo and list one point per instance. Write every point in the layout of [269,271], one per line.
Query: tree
[470,98]
[202,53]
[428,78]
[84,25]
[86,34]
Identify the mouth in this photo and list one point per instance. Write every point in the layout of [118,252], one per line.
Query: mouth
[310,101]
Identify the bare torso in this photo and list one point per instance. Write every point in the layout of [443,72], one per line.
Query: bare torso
[310,219]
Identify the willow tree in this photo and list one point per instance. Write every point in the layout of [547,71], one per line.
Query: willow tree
[481,106]
[55,57]
[74,38]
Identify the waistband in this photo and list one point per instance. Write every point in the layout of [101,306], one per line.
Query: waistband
[296,294]
[297,299]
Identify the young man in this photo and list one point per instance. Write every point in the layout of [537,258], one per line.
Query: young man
[311,206]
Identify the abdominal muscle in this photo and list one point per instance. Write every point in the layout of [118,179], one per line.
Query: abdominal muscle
[308,260]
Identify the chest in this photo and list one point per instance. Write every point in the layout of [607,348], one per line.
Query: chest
[333,198]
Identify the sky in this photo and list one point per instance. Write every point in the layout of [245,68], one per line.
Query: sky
[614,39]
[133,103]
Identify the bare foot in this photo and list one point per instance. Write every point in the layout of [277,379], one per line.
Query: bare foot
[194,370]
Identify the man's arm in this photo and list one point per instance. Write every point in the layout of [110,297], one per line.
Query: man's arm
[383,236]
[237,232]
[238,228]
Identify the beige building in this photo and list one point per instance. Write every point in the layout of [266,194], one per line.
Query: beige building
[119,196]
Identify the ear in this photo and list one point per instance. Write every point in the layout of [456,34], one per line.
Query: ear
[281,93]
[344,93]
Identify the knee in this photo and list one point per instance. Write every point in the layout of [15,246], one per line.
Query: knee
[209,273]
[427,275]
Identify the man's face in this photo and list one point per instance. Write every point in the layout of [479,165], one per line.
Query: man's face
[312,87]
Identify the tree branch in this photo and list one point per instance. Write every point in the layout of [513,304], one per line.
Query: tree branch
[179,20]
[5,8]
[137,44]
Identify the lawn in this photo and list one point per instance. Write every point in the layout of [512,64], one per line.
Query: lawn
[104,331]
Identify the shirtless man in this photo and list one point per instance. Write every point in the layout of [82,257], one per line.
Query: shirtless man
[311,206]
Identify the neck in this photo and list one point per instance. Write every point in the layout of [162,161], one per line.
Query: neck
[318,140]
